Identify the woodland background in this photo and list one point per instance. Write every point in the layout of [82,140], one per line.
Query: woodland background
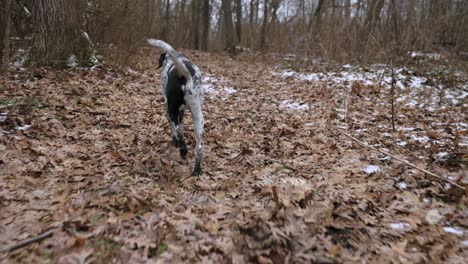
[335,132]
[335,30]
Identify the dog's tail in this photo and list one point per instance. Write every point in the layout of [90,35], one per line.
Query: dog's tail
[179,64]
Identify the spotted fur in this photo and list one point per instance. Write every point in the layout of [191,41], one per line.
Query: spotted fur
[181,83]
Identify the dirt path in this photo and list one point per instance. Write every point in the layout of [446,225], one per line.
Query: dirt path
[280,184]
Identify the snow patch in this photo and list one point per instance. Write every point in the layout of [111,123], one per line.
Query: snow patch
[423,139]
[424,55]
[72,61]
[23,128]
[371,169]
[406,128]
[399,226]
[454,230]
[402,185]
[220,90]
[294,106]
[402,143]
[3,117]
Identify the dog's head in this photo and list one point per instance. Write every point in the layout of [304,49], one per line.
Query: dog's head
[162,59]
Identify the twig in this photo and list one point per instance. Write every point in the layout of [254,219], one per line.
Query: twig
[28,241]
[392,97]
[346,108]
[402,160]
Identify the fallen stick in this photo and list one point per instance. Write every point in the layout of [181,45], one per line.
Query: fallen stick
[28,241]
[402,160]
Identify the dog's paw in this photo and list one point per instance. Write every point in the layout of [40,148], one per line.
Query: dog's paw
[175,142]
[197,171]
[183,151]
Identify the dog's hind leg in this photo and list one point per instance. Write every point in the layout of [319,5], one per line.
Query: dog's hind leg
[180,133]
[197,116]
[173,126]
[175,116]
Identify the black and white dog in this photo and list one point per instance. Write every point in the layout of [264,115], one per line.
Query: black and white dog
[181,82]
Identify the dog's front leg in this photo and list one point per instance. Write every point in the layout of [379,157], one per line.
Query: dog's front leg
[194,104]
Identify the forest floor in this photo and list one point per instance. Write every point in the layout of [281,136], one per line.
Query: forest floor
[87,154]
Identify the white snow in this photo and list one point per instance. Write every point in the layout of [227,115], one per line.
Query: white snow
[453,230]
[294,106]
[432,56]
[402,143]
[216,88]
[422,139]
[371,169]
[229,90]
[417,82]
[399,226]
[406,128]
[3,117]
[72,61]
[23,128]
[464,243]
[402,185]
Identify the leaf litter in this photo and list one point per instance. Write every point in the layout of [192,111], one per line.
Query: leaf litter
[87,154]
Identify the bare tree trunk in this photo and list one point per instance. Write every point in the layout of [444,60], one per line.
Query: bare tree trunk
[372,18]
[5,28]
[251,13]
[318,10]
[257,2]
[263,32]
[238,20]
[321,6]
[274,16]
[229,32]
[57,33]
[395,23]
[165,21]
[195,23]
[347,9]
[375,6]
[205,24]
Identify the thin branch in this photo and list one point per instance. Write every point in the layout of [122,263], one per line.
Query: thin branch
[402,160]
[28,241]
[392,97]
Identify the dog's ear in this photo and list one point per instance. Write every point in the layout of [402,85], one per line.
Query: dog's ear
[162,58]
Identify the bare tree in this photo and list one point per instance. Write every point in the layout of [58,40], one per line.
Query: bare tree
[263,33]
[375,7]
[5,29]
[205,24]
[58,34]
[229,32]
[195,32]
[238,20]
[166,21]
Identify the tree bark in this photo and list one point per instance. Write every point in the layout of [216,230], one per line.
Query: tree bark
[263,32]
[5,29]
[205,24]
[375,6]
[229,27]
[319,10]
[238,20]
[57,33]
[347,9]
[195,23]
[165,21]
